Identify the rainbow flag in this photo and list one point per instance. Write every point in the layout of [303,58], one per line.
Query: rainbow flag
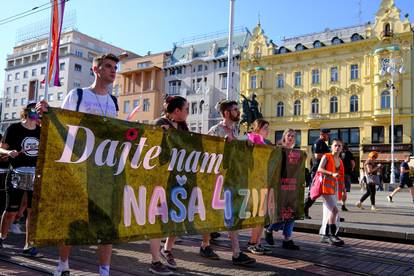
[58,7]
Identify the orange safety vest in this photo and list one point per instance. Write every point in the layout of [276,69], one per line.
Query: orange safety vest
[331,184]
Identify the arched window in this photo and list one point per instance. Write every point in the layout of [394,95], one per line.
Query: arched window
[315,106]
[283,50]
[385,100]
[356,37]
[336,41]
[387,29]
[333,104]
[280,109]
[299,47]
[353,103]
[297,108]
[317,44]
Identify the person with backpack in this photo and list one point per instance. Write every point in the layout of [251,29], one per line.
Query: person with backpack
[95,99]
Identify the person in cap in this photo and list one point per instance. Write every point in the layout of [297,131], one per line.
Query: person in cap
[319,148]
[20,143]
[404,179]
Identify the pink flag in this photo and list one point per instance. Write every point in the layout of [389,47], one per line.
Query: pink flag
[133,112]
[58,7]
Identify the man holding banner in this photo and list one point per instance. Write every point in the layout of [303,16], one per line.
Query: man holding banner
[97,100]
[228,129]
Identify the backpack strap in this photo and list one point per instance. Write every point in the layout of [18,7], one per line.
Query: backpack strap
[80,95]
[115,102]
[79,91]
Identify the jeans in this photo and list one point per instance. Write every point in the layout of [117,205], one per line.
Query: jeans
[286,225]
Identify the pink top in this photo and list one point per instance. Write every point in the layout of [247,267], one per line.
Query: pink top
[255,138]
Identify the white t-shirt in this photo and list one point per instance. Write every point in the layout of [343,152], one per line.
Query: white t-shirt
[91,103]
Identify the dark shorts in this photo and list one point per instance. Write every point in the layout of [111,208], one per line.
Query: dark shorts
[14,196]
[407,183]
[348,182]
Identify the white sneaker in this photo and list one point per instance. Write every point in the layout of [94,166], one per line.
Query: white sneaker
[15,229]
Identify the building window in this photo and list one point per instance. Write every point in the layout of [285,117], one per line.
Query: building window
[356,37]
[174,87]
[315,106]
[377,134]
[9,77]
[43,70]
[6,116]
[223,81]
[146,105]
[76,84]
[253,82]
[200,68]
[126,107]
[334,74]
[8,89]
[78,53]
[280,81]
[317,44]
[34,72]
[315,76]
[313,135]
[298,78]
[17,76]
[61,81]
[297,108]
[14,102]
[60,96]
[333,105]
[222,63]
[354,136]
[25,74]
[24,87]
[353,103]
[205,67]
[135,103]
[14,115]
[385,100]
[398,134]
[16,89]
[194,107]
[50,97]
[280,109]
[354,72]
[336,41]
[78,67]
[62,66]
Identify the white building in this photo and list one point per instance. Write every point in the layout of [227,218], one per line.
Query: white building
[26,68]
[198,72]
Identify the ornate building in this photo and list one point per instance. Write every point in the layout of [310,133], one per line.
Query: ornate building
[332,80]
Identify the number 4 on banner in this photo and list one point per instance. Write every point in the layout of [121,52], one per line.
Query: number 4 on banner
[223,204]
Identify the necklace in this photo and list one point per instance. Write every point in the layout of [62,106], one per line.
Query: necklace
[106,106]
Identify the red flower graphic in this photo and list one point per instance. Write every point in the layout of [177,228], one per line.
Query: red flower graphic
[131,134]
[287,213]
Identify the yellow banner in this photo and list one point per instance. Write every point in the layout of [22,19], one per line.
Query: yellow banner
[101,180]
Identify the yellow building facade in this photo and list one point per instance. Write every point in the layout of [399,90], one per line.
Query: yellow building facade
[332,80]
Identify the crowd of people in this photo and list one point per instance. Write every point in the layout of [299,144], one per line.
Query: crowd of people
[335,165]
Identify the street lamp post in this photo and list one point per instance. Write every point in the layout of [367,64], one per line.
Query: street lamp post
[392,66]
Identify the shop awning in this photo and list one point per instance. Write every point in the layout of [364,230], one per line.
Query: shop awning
[386,157]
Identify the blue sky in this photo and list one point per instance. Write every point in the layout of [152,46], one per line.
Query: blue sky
[142,25]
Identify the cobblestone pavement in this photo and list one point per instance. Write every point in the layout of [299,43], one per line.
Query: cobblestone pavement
[358,257]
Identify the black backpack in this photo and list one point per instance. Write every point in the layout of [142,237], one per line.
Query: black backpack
[80,95]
